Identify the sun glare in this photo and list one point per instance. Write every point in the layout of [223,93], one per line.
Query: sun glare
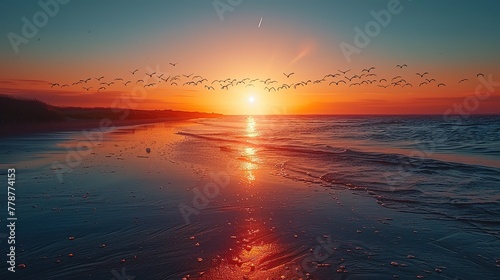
[251,99]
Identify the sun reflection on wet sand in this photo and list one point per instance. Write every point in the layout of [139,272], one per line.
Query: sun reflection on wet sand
[251,256]
[254,252]
[249,164]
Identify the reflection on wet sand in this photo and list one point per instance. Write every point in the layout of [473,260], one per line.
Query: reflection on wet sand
[250,164]
[254,253]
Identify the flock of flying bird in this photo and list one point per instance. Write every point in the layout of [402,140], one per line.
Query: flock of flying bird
[366,76]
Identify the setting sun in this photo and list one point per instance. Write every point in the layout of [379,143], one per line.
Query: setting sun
[251,99]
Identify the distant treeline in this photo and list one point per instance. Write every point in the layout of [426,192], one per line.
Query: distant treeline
[16,109]
[27,110]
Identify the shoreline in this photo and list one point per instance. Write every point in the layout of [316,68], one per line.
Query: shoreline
[24,129]
[120,205]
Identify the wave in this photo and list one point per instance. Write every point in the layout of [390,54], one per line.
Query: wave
[443,183]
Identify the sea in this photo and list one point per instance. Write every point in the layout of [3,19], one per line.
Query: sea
[444,167]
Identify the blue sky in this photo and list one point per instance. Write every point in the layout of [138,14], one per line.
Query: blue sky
[93,37]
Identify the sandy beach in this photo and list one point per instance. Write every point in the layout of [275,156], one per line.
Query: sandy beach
[176,213]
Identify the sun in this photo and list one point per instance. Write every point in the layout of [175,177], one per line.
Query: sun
[251,99]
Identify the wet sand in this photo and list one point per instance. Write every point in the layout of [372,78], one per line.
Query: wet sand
[118,212]
[28,129]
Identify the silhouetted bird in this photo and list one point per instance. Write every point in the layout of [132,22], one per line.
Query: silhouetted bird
[331,75]
[337,83]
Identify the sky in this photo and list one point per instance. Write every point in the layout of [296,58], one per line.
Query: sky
[47,44]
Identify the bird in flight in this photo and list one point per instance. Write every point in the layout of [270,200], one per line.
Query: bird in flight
[288,75]
[65,85]
[401,65]
[430,80]
[331,75]
[53,85]
[462,80]
[187,76]
[103,88]
[337,83]
[343,72]
[441,84]
[480,74]
[209,87]
[133,72]
[422,75]
[87,88]
[368,70]
[126,83]
[151,75]
[173,64]
[99,79]
[422,83]
[150,85]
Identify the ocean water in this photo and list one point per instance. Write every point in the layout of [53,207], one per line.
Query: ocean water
[444,168]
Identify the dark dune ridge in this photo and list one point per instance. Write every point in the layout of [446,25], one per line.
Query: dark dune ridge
[24,116]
